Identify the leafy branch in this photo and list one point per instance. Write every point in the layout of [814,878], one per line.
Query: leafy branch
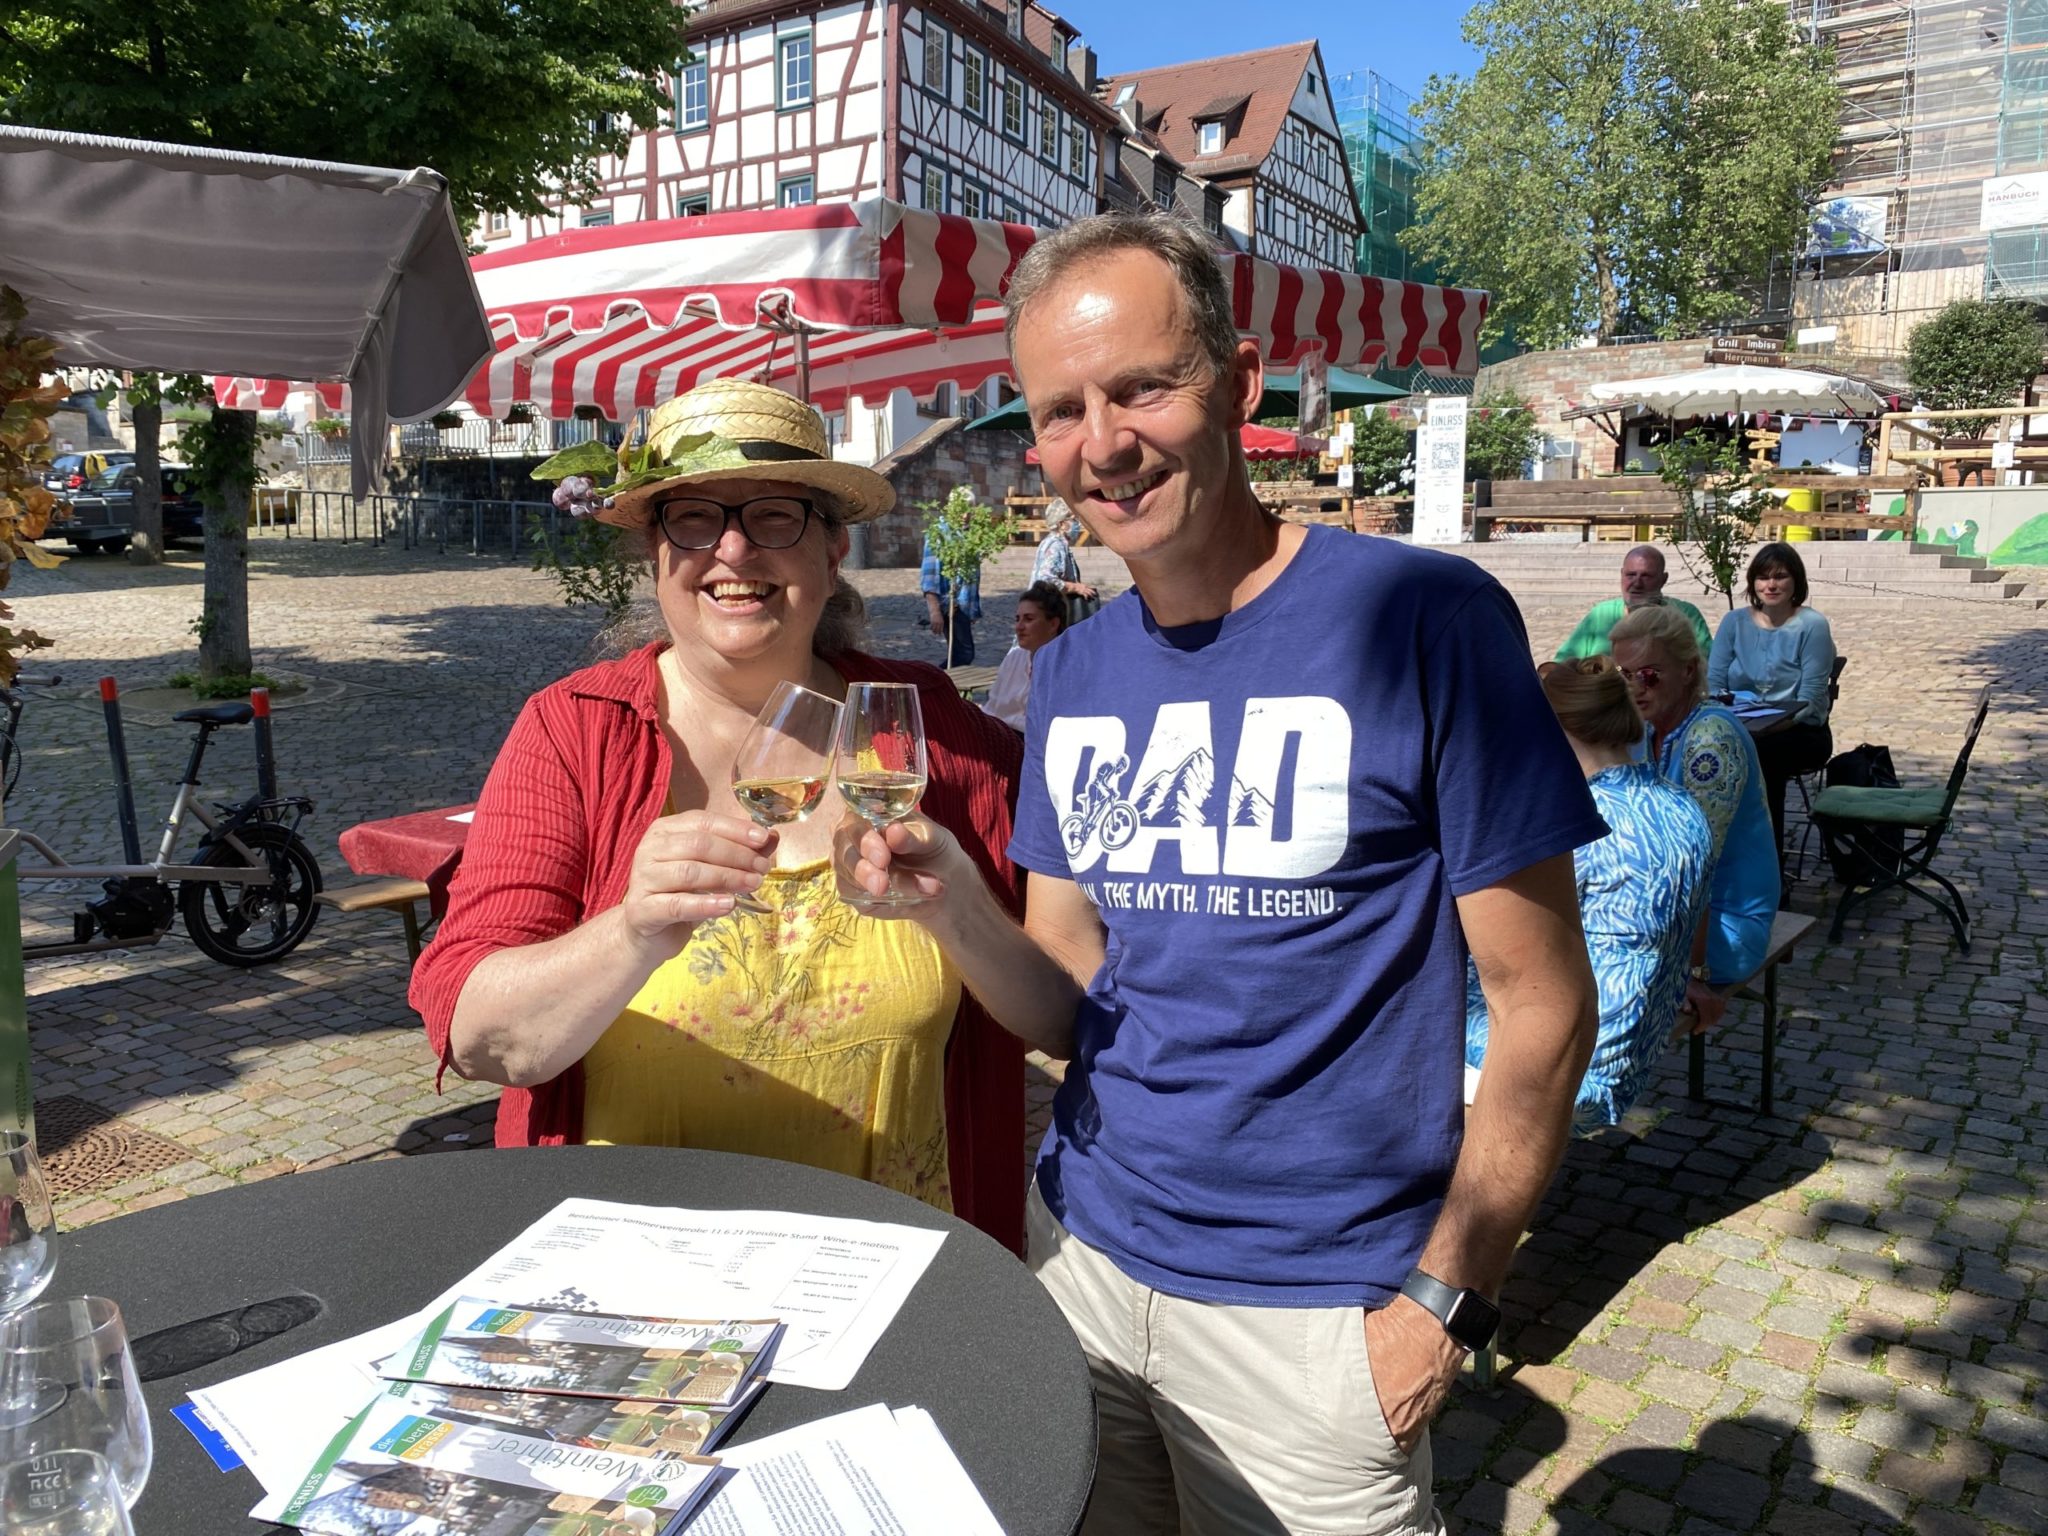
[27,403]
[1721,498]
[962,533]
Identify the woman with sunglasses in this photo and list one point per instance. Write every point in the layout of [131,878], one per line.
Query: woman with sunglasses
[1701,746]
[593,959]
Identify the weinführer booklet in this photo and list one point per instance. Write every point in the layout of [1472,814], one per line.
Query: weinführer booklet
[480,1343]
[647,1428]
[437,1477]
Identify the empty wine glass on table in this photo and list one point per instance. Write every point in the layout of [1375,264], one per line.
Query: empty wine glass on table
[779,774]
[68,1382]
[881,775]
[63,1493]
[28,1224]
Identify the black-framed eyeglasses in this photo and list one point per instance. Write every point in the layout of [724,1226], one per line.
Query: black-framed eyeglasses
[766,522]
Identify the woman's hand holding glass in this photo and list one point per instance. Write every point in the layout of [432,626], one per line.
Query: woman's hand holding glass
[690,868]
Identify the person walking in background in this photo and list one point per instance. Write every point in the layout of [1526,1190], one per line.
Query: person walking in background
[1058,564]
[1776,650]
[1270,797]
[1041,616]
[1643,575]
[958,642]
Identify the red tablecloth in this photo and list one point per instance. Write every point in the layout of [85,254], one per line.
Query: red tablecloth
[426,845]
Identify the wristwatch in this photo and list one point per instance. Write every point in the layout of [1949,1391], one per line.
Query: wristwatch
[1700,973]
[1468,1317]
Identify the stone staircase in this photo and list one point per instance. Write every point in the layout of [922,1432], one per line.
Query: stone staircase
[1842,574]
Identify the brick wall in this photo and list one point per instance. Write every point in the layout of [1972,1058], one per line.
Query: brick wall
[929,466]
[1553,382]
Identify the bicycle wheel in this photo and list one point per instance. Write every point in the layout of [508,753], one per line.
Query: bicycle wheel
[254,924]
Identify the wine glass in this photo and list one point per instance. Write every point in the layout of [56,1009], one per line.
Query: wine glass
[28,1225]
[779,773]
[63,1493]
[881,774]
[67,1382]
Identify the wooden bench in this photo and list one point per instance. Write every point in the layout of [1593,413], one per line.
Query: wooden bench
[396,894]
[1788,929]
[972,680]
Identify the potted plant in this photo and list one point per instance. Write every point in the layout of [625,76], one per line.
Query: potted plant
[521,414]
[589,413]
[330,426]
[447,421]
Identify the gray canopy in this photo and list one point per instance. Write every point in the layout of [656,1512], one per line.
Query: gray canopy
[171,259]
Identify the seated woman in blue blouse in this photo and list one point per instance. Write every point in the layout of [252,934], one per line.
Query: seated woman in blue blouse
[1700,746]
[1778,651]
[1642,892]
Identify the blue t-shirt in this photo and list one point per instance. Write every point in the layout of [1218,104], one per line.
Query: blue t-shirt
[1273,812]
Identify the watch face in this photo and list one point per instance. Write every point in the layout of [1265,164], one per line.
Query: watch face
[1473,1320]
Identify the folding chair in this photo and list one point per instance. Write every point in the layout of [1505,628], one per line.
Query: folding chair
[1852,812]
[1793,855]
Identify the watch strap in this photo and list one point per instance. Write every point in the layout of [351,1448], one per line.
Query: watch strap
[1457,1310]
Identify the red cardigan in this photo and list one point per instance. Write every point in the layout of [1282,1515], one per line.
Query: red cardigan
[584,773]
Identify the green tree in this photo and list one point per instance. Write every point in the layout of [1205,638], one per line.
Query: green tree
[1975,352]
[962,533]
[1622,165]
[1721,502]
[1500,438]
[1382,454]
[511,103]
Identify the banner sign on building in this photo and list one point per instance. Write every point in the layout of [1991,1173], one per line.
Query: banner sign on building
[2014,202]
[1440,472]
[1847,226]
[1745,349]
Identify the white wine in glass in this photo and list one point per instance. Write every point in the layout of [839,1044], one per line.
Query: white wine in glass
[779,774]
[881,775]
[28,1223]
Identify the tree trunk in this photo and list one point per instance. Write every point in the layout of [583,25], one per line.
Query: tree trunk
[224,620]
[146,547]
[1610,294]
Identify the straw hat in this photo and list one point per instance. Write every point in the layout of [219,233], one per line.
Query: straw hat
[773,437]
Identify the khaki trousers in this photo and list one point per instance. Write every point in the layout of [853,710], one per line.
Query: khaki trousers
[1218,1420]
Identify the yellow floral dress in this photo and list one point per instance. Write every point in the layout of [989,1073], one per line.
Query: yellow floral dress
[813,1034]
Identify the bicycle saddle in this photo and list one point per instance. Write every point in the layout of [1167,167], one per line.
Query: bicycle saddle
[218,714]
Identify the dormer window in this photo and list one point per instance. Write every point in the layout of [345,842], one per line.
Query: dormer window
[1212,139]
[1016,18]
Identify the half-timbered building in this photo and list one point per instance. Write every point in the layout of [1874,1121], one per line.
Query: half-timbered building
[982,107]
[1260,128]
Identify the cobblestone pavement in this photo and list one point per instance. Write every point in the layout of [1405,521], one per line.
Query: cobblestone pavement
[1830,1320]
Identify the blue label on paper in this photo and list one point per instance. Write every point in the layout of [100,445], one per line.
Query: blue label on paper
[218,1450]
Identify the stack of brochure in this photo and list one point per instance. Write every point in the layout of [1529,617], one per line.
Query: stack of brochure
[501,1414]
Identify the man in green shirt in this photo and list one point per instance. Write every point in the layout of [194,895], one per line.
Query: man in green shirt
[1642,584]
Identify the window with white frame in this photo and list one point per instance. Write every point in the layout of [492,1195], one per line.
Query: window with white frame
[794,192]
[498,222]
[692,205]
[1016,9]
[793,69]
[1049,130]
[1077,149]
[1212,139]
[935,51]
[693,97]
[1013,106]
[973,83]
[1162,183]
[598,218]
[935,188]
[970,199]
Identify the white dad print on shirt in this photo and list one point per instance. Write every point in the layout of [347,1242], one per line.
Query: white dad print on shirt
[1119,816]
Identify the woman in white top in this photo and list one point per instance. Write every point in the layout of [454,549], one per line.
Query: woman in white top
[1041,615]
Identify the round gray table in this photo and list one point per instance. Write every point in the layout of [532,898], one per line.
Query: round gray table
[978,1343]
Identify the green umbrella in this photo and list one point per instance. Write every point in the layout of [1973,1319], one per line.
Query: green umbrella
[1282,398]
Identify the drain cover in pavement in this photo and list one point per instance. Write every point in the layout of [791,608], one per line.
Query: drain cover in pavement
[83,1147]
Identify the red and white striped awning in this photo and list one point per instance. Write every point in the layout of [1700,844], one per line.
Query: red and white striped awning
[885,298]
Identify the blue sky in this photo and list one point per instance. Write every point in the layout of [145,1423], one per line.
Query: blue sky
[1406,43]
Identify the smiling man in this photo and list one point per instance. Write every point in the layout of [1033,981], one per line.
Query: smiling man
[1269,796]
[1643,575]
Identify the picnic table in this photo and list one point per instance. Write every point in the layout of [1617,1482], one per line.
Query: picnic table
[973,680]
[425,846]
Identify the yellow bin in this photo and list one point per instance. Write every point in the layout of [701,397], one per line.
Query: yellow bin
[1804,500]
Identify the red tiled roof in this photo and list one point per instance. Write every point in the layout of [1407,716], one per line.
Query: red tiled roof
[1178,93]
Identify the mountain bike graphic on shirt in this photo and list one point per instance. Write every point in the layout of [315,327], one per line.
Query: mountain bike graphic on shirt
[1280,810]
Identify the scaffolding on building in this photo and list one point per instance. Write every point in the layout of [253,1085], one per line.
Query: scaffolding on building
[1383,150]
[1940,98]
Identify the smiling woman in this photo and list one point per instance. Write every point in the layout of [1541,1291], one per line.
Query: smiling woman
[595,958]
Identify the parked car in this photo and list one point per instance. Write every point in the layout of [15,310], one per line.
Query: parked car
[103,514]
[69,472]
